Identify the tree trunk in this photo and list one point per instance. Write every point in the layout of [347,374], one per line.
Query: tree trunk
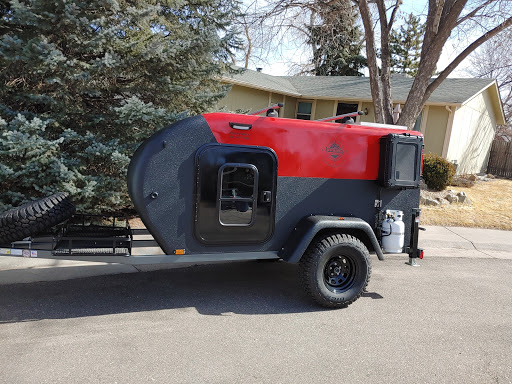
[385,57]
[441,19]
[371,54]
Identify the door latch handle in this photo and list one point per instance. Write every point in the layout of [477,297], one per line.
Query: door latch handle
[266,196]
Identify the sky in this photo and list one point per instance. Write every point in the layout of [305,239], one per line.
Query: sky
[279,65]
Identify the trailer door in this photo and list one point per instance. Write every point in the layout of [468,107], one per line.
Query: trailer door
[235,194]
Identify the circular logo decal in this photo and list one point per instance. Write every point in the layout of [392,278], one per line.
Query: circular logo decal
[333,153]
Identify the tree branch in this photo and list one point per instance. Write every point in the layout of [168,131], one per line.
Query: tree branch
[449,69]
[473,12]
[394,13]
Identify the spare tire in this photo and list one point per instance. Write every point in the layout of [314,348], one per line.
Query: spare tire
[35,217]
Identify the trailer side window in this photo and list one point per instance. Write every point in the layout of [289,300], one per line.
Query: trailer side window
[238,192]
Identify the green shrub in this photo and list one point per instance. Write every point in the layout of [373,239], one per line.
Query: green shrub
[437,172]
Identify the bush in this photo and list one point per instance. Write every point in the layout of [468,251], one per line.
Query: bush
[437,172]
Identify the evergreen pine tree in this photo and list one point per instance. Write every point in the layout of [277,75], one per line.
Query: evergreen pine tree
[337,41]
[405,46]
[82,83]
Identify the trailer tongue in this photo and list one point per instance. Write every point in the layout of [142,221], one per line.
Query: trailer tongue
[221,186]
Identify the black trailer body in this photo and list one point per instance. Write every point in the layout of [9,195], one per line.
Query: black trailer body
[213,183]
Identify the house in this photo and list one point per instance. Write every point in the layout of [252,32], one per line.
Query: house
[458,121]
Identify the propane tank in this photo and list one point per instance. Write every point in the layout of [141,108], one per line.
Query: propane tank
[393,232]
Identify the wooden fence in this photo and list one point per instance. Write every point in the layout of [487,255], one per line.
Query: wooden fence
[500,159]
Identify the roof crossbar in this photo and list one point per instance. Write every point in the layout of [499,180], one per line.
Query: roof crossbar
[351,114]
[275,106]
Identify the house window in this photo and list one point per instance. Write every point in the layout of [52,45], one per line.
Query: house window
[304,109]
[238,194]
[345,108]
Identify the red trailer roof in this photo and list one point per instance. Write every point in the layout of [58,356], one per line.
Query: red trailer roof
[307,148]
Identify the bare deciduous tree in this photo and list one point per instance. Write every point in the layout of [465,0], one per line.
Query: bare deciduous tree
[269,28]
[478,20]
[273,27]
[494,60]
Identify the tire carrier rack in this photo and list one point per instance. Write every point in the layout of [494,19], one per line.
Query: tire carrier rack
[94,235]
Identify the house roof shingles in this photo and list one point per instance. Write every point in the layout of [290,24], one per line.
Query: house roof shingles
[264,81]
[451,91]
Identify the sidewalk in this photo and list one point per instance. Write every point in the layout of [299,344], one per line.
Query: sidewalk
[466,242]
[436,241]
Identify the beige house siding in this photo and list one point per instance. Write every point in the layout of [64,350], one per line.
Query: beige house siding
[276,98]
[324,109]
[472,134]
[244,98]
[435,128]
[370,117]
[290,105]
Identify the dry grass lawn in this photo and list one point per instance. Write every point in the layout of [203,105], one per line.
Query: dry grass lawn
[491,208]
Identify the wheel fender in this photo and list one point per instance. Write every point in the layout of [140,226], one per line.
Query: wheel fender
[309,226]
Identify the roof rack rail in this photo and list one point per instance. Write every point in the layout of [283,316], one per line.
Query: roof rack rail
[351,114]
[275,106]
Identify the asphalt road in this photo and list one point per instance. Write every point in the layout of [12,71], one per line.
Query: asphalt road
[448,321]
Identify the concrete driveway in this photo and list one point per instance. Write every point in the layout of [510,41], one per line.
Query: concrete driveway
[448,321]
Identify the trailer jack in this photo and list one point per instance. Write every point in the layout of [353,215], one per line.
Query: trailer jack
[415,253]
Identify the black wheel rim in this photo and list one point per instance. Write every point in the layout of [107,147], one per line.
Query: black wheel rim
[339,273]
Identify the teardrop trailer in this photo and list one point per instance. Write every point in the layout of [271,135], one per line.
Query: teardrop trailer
[227,187]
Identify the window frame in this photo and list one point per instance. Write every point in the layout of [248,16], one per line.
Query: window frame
[253,199]
[336,107]
[313,102]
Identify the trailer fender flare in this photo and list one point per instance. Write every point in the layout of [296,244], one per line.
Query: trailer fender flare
[309,226]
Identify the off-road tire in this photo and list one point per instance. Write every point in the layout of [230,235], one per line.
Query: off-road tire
[335,270]
[35,217]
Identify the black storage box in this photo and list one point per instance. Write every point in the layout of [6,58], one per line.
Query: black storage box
[400,160]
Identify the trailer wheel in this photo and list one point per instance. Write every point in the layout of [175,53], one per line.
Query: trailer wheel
[34,217]
[335,270]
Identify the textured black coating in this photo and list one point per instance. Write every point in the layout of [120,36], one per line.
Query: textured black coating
[308,227]
[300,197]
[161,182]
[35,217]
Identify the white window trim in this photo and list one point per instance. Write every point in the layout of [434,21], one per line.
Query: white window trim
[313,107]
